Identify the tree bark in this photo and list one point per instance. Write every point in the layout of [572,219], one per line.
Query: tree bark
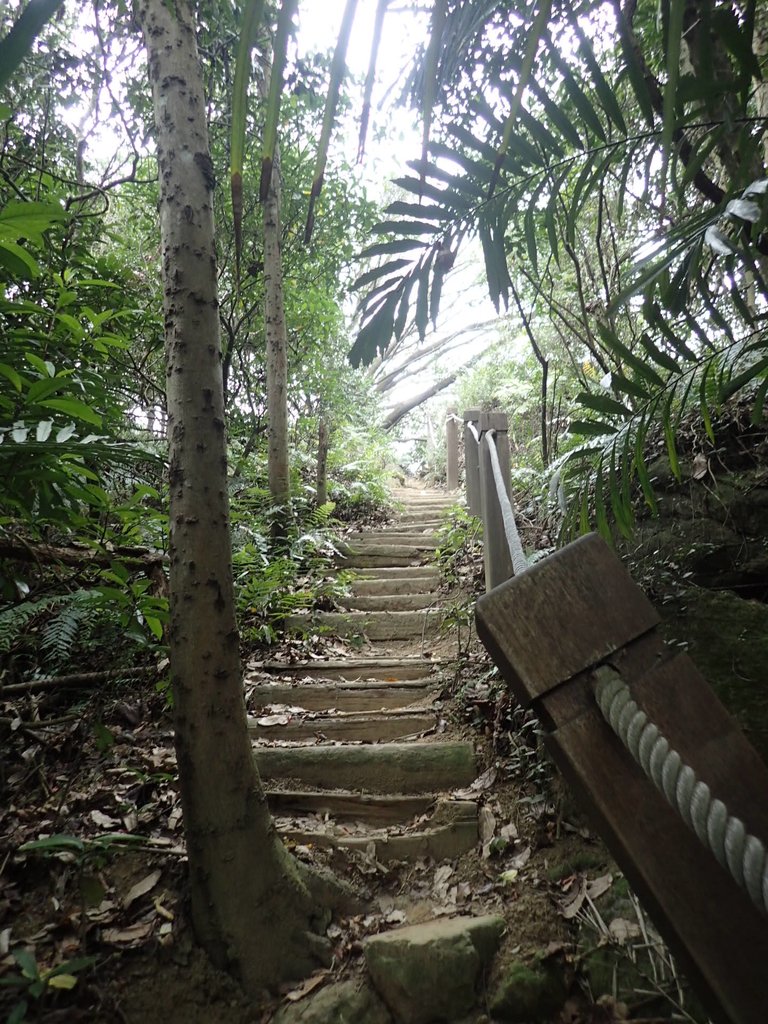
[399,412]
[322,462]
[251,902]
[277,346]
[423,353]
[78,679]
[20,550]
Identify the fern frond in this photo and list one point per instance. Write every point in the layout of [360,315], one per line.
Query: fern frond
[16,618]
[608,467]
[60,632]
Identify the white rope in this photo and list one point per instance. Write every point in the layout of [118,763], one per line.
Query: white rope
[519,561]
[743,855]
[473,428]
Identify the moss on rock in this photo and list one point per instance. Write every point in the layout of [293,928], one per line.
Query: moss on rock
[727,637]
[528,992]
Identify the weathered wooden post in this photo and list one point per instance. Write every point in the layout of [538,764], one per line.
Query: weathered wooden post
[554,631]
[452,442]
[498,561]
[472,462]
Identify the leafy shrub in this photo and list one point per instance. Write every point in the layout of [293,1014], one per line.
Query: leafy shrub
[280,574]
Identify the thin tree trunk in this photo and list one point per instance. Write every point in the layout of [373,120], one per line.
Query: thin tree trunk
[250,900]
[322,462]
[277,346]
[399,412]
[544,364]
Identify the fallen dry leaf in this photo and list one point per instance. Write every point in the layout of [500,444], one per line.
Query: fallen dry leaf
[509,831]
[163,911]
[486,825]
[442,874]
[598,886]
[520,859]
[103,820]
[700,467]
[131,936]
[141,888]
[481,783]
[131,821]
[572,904]
[269,720]
[622,931]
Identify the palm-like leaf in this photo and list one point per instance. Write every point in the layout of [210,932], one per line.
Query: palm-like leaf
[597,148]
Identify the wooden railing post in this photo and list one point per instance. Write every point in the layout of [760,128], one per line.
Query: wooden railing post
[472,463]
[498,561]
[547,630]
[452,442]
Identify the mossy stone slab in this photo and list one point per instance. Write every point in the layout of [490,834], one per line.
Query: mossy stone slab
[429,972]
[348,1002]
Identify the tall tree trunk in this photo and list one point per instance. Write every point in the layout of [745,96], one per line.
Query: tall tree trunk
[277,345]
[251,902]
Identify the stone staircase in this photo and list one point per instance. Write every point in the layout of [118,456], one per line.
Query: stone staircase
[351,751]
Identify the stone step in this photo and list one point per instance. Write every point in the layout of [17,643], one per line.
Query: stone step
[374,625]
[438,965]
[344,805]
[389,586]
[395,538]
[349,696]
[375,767]
[421,519]
[366,726]
[401,602]
[440,840]
[384,556]
[406,497]
[430,518]
[418,497]
[394,544]
[390,669]
[398,572]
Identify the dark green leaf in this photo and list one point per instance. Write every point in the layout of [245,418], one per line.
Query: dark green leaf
[392,248]
[757,415]
[384,270]
[605,93]
[590,428]
[415,210]
[603,404]
[628,386]
[633,67]
[740,379]
[657,355]
[17,43]
[73,407]
[405,227]
[375,334]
